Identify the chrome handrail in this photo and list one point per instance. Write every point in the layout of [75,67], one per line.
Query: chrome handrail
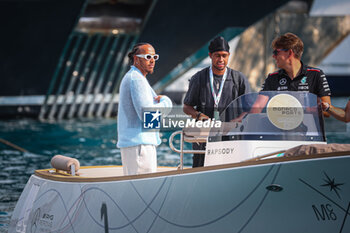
[182,151]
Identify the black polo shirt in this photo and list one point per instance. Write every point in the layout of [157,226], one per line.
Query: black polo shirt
[199,91]
[310,79]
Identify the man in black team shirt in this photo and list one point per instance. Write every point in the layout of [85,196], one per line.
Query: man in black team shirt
[212,89]
[293,74]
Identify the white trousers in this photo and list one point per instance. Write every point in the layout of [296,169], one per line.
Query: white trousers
[139,159]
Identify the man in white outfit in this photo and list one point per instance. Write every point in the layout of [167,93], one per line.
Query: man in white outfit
[137,145]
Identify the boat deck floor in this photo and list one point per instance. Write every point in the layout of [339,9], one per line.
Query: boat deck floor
[92,173]
[115,173]
[111,171]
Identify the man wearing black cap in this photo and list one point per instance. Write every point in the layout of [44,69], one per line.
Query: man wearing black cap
[212,89]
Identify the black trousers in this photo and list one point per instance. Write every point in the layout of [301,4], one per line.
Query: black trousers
[198,159]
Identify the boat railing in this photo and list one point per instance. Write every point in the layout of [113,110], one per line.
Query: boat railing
[186,136]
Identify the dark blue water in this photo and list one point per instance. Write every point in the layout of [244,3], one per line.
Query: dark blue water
[91,141]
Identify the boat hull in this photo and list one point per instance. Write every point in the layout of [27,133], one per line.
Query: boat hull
[311,195]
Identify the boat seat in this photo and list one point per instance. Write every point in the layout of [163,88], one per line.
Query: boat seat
[314,149]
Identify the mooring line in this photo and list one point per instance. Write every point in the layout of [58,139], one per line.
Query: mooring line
[12,145]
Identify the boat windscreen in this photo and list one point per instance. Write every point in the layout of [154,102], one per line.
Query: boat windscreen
[272,115]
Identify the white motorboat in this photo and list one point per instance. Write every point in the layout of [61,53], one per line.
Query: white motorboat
[249,183]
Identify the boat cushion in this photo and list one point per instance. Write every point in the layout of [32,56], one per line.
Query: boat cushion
[316,149]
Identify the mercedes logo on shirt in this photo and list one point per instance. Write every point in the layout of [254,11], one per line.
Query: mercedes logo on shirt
[283,81]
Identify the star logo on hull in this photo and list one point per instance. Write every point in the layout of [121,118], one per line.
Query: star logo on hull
[332,184]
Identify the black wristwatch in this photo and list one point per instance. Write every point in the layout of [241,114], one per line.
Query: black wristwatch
[198,115]
[327,109]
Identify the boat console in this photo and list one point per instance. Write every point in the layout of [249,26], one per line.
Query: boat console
[263,123]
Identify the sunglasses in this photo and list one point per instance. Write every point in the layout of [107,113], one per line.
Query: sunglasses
[276,51]
[148,56]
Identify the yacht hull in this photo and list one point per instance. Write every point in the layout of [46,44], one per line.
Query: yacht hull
[295,195]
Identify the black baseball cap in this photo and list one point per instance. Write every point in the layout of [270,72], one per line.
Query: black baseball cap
[218,44]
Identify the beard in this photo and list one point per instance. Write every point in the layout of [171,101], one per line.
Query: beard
[150,71]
